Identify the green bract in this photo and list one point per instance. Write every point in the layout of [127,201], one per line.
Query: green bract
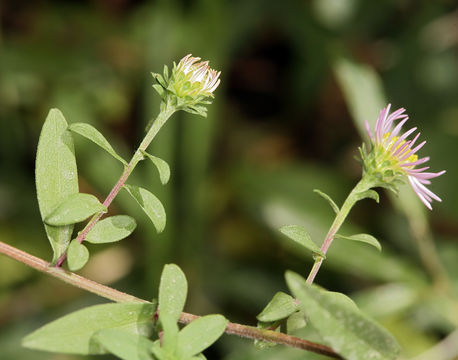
[380,170]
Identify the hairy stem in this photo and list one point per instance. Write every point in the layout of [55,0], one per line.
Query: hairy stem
[136,158]
[352,198]
[244,331]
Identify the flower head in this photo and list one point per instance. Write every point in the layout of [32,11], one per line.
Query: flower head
[201,78]
[393,157]
[190,85]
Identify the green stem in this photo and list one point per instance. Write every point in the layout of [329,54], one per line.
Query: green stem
[353,197]
[421,232]
[244,331]
[161,119]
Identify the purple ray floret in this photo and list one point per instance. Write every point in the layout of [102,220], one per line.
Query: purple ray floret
[402,152]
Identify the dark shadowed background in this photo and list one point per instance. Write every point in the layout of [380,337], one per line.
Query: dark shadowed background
[297,79]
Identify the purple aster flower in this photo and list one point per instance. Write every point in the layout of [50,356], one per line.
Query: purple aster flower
[393,156]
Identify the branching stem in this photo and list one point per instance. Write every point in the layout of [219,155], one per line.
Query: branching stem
[161,119]
[351,200]
[244,331]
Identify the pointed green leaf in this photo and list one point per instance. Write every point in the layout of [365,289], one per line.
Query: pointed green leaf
[158,351]
[173,290]
[200,334]
[169,333]
[196,110]
[74,209]
[77,255]
[371,194]
[56,176]
[328,199]
[91,133]
[280,307]
[366,238]
[159,89]
[300,235]
[295,322]
[199,357]
[150,205]
[341,325]
[159,79]
[72,334]
[125,345]
[162,167]
[111,229]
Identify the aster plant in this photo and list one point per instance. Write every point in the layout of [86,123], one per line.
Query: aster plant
[137,329]
[390,161]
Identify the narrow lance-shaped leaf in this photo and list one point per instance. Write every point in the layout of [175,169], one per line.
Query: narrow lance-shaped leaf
[280,307]
[74,209]
[150,205]
[56,176]
[158,77]
[111,229]
[200,334]
[77,255]
[125,345]
[370,194]
[197,110]
[295,322]
[341,325]
[72,334]
[91,133]
[162,167]
[300,235]
[328,199]
[365,238]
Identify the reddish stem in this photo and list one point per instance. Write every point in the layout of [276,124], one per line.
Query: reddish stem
[111,196]
[244,331]
[152,132]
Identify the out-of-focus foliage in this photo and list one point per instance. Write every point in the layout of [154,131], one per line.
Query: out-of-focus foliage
[298,77]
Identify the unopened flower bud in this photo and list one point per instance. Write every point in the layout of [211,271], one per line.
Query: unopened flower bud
[190,85]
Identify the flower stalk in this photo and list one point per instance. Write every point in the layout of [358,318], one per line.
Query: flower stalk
[391,160]
[359,192]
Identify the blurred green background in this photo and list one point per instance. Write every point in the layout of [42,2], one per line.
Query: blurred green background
[298,78]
